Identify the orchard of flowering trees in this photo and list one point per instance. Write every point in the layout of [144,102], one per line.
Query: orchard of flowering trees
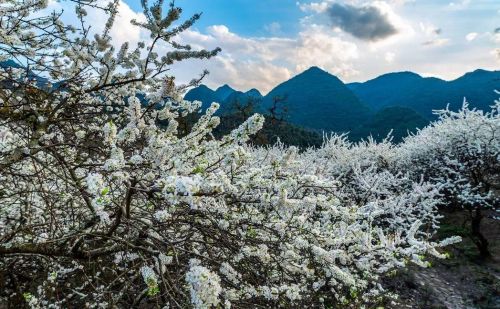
[102,207]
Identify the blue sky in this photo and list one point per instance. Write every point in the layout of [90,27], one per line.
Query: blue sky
[245,17]
[266,42]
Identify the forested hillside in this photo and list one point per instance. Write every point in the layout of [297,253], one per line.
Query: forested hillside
[402,102]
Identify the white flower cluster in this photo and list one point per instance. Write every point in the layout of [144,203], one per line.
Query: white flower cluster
[99,191]
[204,286]
[5,140]
[150,279]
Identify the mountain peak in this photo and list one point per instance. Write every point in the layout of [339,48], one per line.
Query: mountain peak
[316,74]
[224,87]
[478,72]
[253,93]
[223,92]
[315,70]
[319,100]
[202,86]
[479,75]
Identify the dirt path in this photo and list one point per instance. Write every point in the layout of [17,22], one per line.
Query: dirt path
[447,293]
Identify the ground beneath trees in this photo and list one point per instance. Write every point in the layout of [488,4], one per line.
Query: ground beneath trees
[463,281]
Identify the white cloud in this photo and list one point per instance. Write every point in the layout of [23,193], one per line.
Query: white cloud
[401,2]
[316,7]
[405,29]
[317,46]
[264,62]
[496,53]
[432,35]
[389,57]
[429,29]
[471,36]
[494,37]
[245,75]
[122,30]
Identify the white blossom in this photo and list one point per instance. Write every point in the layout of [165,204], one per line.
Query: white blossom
[204,286]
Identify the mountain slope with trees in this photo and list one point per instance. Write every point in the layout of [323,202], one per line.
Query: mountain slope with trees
[402,101]
[318,100]
[397,121]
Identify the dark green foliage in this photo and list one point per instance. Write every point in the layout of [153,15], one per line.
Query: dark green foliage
[275,128]
[239,108]
[400,120]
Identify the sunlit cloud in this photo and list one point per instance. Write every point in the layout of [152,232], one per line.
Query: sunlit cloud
[262,62]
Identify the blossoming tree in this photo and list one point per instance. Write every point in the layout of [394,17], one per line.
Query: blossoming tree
[100,206]
[460,154]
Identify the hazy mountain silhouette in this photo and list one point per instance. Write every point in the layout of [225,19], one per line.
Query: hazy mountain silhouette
[254,93]
[225,96]
[427,94]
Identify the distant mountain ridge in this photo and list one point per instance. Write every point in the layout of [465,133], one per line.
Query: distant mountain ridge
[402,101]
[425,94]
[224,95]
[397,102]
[41,82]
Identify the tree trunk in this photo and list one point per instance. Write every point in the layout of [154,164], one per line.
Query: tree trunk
[478,238]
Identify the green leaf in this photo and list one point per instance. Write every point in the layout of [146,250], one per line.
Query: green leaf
[153,290]
[198,170]
[27,296]
[105,191]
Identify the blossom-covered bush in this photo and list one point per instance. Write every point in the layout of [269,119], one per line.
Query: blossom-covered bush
[103,207]
[460,155]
